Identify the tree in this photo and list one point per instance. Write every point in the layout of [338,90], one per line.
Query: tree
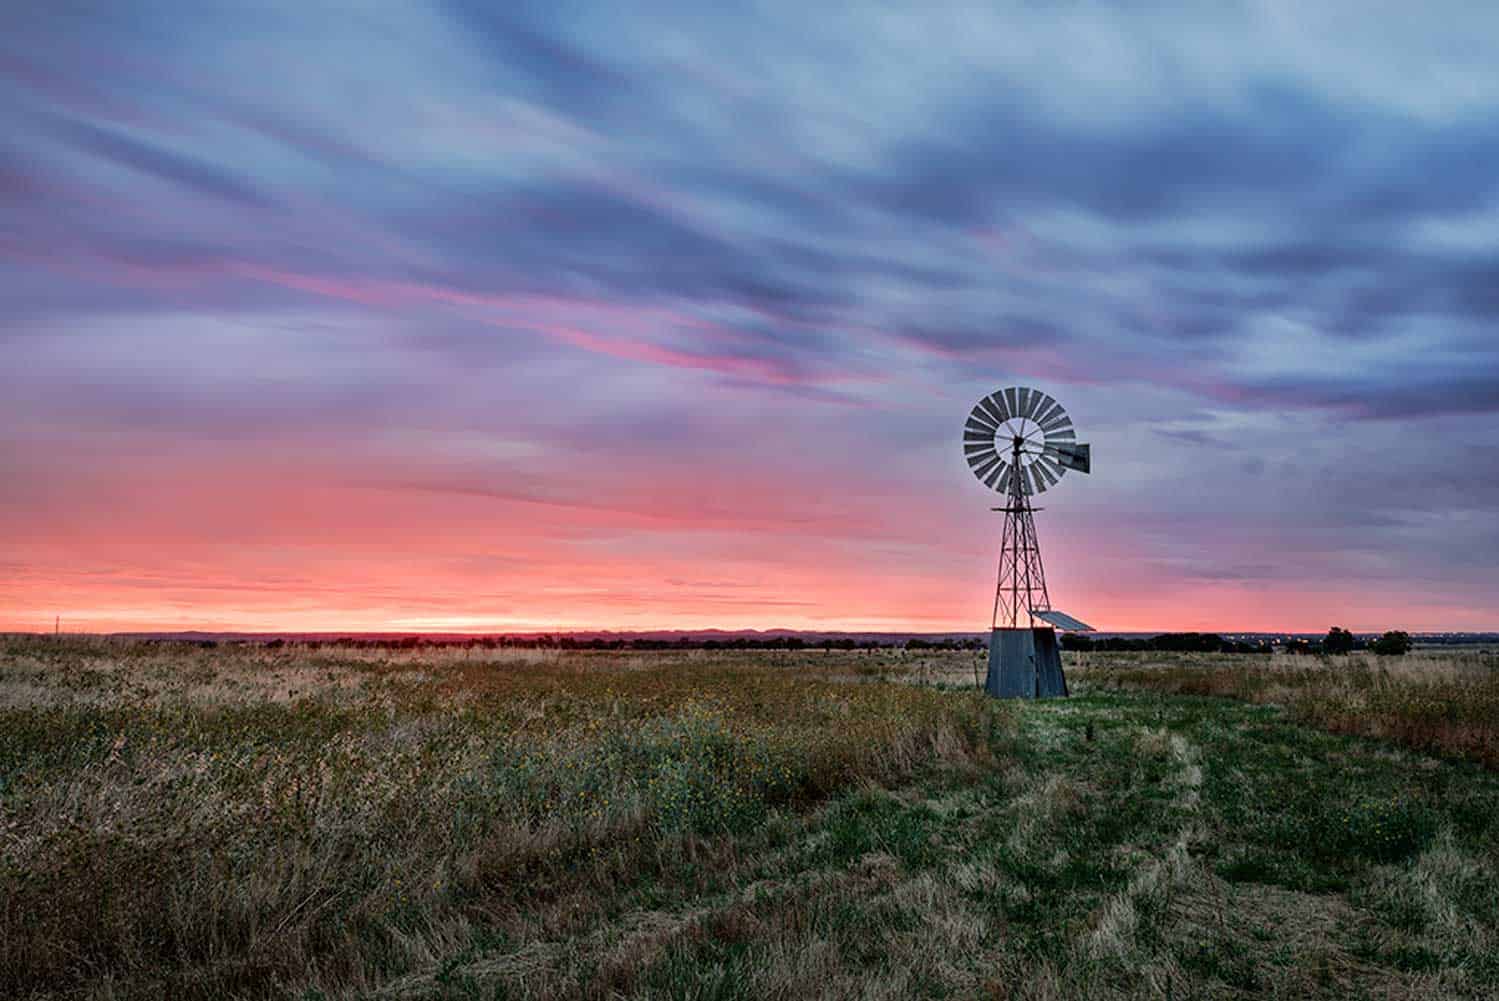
[1339,640]
[1394,643]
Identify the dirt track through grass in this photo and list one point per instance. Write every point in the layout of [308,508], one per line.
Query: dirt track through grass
[1151,861]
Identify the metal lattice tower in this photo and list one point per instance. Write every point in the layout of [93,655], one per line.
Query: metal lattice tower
[1021,588]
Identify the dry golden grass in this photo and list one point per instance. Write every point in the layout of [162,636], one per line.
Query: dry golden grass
[223,821]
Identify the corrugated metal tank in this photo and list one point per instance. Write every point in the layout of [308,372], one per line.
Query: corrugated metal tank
[1025,664]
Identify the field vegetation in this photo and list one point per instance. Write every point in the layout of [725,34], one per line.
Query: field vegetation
[338,822]
[1441,701]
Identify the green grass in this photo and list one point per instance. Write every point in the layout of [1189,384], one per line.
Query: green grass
[730,826]
[1442,701]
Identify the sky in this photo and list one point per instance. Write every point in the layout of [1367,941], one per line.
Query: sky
[501,316]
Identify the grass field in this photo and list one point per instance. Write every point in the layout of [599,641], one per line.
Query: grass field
[1445,702]
[339,823]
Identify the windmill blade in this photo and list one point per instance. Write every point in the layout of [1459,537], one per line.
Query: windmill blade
[978,434]
[999,477]
[1003,407]
[983,469]
[1012,400]
[1034,479]
[1056,421]
[1046,472]
[1059,436]
[977,453]
[991,410]
[980,421]
[980,456]
[1049,409]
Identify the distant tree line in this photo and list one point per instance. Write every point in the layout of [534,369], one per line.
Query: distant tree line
[1458,639]
[1176,642]
[972,643]
[1337,641]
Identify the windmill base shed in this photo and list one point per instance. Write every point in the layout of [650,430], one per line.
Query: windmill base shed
[1025,664]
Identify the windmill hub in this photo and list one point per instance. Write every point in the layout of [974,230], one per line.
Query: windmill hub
[1020,442]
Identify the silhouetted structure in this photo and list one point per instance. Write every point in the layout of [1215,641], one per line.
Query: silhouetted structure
[1020,441]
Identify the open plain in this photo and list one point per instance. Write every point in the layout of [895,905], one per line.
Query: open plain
[448,822]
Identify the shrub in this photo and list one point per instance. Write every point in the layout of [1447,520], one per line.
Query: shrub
[1394,643]
[1338,640]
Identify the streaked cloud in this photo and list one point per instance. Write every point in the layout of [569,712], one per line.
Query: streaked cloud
[382,303]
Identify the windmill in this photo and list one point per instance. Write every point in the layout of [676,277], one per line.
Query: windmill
[1019,442]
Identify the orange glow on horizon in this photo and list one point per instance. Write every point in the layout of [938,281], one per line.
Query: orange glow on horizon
[311,547]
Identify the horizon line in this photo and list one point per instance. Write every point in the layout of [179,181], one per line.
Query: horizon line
[708,630]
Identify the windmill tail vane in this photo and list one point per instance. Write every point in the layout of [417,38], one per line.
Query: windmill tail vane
[1020,442]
